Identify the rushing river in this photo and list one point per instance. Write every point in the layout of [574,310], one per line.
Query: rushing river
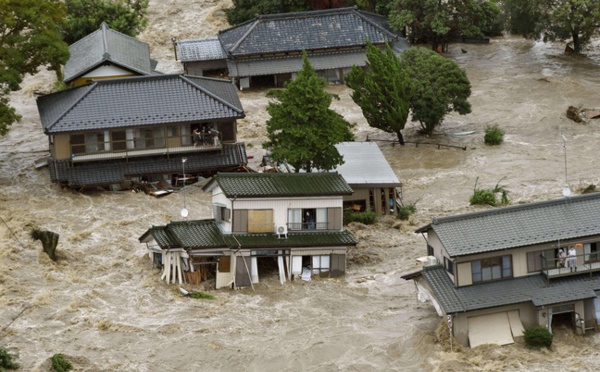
[103,305]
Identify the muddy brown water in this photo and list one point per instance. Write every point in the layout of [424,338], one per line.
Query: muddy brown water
[103,305]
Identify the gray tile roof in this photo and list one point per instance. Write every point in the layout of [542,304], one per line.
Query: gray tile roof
[533,288]
[200,50]
[517,226]
[106,45]
[108,172]
[364,165]
[261,185]
[140,101]
[206,234]
[321,29]
[287,64]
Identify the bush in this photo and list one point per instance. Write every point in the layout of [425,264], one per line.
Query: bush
[60,363]
[493,136]
[538,336]
[201,295]
[482,197]
[368,218]
[406,211]
[6,360]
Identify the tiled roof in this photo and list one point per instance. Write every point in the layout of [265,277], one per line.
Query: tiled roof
[140,101]
[321,29]
[105,45]
[517,226]
[365,165]
[293,63]
[532,288]
[200,50]
[108,172]
[206,234]
[280,184]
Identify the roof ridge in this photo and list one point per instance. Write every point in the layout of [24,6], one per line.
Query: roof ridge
[214,96]
[512,208]
[250,29]
[362,16]
[308,13]
[90,87]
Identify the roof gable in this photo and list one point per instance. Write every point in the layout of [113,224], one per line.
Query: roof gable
[261,185]
[517,226]
[140,101]
[107,45]
[321,29]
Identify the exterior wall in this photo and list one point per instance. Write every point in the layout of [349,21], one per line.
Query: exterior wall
[103,72]
[280,206]
[460,323]
[198,68]
[463,274]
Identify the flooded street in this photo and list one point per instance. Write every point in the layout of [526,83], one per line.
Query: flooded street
[104,306]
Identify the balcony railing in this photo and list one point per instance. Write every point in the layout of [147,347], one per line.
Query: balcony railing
[142,152]
[306,226]
[570,265]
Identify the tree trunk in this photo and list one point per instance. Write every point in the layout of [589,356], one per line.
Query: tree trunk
[576,42]
[400,138]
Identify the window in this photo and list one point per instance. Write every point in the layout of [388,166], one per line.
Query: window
[321,265]
[87,143]
[149,138]
[591,253]
[535,260]
[260,220]
[119,140]
[492,268]
[315,219]
[449,265]
[222,213]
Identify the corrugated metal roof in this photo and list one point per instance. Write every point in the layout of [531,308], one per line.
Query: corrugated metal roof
[288,64]
[321,29]
[364,164]
[200,50]
[532,288]
[140,101]
[280,184]
[517,226]
[105,45]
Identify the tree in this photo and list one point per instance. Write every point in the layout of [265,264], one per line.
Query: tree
[303,130]
[438,86]
[29,38]
[439,22]
[86,16]
[381,90]
[551,20]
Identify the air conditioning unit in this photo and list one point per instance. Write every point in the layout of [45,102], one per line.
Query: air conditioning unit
[431,261]
[281,231]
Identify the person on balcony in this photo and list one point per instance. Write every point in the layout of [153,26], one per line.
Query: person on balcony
[572,259]
[560,258]
[310,221]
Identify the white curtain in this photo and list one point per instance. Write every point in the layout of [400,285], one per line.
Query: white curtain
[254,270]
[281,269]
[295,219]
[321,218]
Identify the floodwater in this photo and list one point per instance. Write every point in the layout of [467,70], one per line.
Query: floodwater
[104,307]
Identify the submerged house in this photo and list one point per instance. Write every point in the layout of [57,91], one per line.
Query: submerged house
[497,272]
[267,50]
[376,187]
[114,132]
[284,223]
[107,54]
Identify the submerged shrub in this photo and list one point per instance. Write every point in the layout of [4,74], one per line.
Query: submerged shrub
[483,197]
[538,336]
[60,363]
[6,360]
[367,218]
[493,136]
[201,295]
[406,211]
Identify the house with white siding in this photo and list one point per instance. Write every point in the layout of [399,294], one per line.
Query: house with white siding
[287,224]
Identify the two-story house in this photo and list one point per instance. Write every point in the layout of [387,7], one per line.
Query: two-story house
[107,54]
[267,50]
[494,273]
[287,223]
[114,132]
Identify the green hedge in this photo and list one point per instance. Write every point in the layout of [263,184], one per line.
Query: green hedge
[368,218]
[538,336]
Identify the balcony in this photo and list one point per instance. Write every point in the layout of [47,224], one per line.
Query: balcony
[580,264]
[306,226]
[125,154]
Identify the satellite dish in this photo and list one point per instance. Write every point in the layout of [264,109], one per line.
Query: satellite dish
[566,191]
[184,213]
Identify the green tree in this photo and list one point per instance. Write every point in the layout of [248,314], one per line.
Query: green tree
[29,38]
[303,130]
[438,86]
[381,90]
[551,20]
[86,16]
[439,22]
